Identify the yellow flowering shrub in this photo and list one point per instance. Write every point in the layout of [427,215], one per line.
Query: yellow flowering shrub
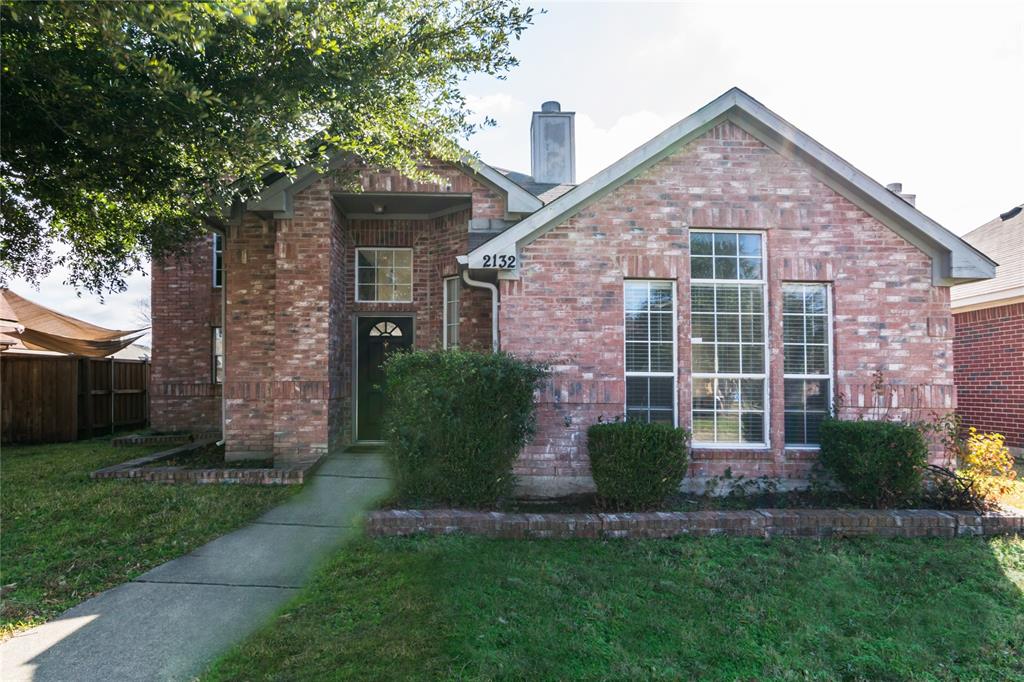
[988,462]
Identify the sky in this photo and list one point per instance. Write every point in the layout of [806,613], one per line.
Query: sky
[929,94]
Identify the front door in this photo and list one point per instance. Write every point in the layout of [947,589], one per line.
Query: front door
[377,338]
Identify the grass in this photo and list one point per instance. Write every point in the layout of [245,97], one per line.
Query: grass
[713,608]
[67,537]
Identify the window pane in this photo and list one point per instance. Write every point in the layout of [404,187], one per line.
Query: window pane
[702,298]
[815,300]
[661,327]
[752,329]
[636,326]
[794,389]
[750,268]
[661,416]
[701,268]
[704,327]
[636,392]
[661,296]
[728,395]
[403,259]
[727,298]
[792,329]
[636,296]
[389,269]
[365,258]
[661,357]
[793,300]
[752,394]
[813,421]
[794,428]
[704,426]
[793,360]
[703,357]
[700,243]
[725,268]
[752,427]
[750,245]
[725,244]
[661,393]
[816,395]
[728,427]
[753,359]
[814,329]
[367,292]
[703,394]
[817,360]
[637,359]
[728,328]
[728,358]
[751,299]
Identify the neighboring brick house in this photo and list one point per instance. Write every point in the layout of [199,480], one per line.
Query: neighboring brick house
[731,276]
[988,347]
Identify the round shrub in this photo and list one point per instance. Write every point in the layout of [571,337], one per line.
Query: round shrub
[636,465]
[880,464]
[455,422]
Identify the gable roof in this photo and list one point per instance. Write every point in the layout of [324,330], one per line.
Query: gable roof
[953,260]
[277,197]
[1000,238]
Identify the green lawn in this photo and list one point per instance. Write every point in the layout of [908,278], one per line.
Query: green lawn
[716,608]
[66,537]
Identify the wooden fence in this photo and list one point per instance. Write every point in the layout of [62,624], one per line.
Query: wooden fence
[52,399]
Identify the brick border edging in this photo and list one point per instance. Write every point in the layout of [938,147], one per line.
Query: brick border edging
[136,470]
[161,438]
[763,523]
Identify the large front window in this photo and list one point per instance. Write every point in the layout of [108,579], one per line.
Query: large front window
[650,351]
[384,275]
[807,361]
[728,342]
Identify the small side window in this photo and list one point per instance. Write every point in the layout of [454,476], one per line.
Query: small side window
[218,260]
[217,355]
[452,312]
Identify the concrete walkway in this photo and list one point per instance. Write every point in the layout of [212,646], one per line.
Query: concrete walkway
[170,623]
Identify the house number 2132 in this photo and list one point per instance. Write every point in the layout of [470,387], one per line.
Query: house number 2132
[499,261]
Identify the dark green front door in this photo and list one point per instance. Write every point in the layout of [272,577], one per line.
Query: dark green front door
[377,338]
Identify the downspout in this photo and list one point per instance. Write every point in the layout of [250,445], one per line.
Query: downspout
[494,305]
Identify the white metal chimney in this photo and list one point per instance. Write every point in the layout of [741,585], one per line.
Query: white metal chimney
[553,145]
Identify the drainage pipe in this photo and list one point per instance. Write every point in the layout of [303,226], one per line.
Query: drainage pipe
[494,305]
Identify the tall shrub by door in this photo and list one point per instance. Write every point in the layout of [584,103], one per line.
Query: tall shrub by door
[455,422]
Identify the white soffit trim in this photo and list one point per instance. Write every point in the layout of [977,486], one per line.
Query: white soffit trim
[954,260]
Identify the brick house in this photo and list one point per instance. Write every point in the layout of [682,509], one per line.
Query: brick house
[989,342]
[731,276]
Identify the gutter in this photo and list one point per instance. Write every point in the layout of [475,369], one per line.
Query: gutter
[494,305]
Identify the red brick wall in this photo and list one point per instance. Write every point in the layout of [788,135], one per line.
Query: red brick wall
[185,308]
[567,306]
[291,305]
[988,350]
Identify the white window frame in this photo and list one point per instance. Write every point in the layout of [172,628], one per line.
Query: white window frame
[458,303]
[829,360]
[766,376]
[218,259]
[675,348]
[383,248]
[216,331]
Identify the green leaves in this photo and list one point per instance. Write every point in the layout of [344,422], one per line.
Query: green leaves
[169,110]
[636,465]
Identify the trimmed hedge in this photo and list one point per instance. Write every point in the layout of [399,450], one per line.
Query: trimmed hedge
[636,465]
[879,463]
[456,421]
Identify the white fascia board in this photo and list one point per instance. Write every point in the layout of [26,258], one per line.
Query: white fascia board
[519,200]
[954,260]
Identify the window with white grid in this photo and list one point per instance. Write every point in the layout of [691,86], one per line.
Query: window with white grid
[728,339]
[650,351]
[451,312]
[384,275]
[807,361]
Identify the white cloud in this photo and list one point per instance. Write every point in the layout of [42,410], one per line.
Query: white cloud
[597,147]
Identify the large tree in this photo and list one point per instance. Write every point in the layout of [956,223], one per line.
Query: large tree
[123,125]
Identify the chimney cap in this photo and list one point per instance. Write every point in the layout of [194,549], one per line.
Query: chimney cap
[895,187]
[550,106]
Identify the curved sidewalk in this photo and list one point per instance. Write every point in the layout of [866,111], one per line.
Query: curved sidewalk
[170,623]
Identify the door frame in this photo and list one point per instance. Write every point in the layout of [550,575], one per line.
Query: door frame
[355,366]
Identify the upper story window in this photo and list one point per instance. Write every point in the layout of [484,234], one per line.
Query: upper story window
[807,361]
[218,260]
[384,275]
[728,339]
[650,351]
[452,287]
